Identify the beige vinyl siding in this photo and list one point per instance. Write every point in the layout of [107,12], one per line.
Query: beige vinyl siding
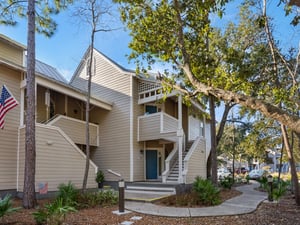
[75,108]
[112,84]
[157,126]
[57,99]
[149,127]
[10,53]
[197,162]
[41,109]
[9,135]
[57,160]
[75,129]
[138,157]
[170,107]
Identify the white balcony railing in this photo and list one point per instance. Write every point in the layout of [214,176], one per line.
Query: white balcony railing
[156,126]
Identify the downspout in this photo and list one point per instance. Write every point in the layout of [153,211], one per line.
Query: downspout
[180,138]
[131,129]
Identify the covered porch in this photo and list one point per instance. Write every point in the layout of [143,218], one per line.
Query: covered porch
[177,164]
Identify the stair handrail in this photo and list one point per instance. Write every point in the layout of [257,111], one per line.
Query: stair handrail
[170,162]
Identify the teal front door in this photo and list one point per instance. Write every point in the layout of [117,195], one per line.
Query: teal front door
[151,164]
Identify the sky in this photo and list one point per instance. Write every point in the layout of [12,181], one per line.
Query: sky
[66,47]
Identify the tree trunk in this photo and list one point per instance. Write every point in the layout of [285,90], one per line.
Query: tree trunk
[213,151]
[29,200]
[227,108]
[292,164]
[87,114]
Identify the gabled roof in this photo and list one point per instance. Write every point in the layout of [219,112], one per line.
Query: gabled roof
[109,60]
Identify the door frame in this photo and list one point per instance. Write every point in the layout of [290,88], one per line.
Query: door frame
[156,172]
[159,154]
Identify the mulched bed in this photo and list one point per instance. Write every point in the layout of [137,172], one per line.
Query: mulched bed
[283,213]
[190,199]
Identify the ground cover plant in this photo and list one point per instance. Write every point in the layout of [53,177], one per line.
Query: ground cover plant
[203,193]
[69,199]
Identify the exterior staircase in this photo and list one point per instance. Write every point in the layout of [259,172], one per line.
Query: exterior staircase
[174,173]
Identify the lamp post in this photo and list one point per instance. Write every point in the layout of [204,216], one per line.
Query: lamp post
[121,196]
[121,186]
[270,182]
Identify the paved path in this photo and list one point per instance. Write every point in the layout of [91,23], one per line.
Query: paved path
[247,202]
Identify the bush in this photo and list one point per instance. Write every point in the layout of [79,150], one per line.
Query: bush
[207,193]
[69,194]
[103,198]
[108,197]
[279,188]
[226,182]
[53,213]
[6,206]
[263,181]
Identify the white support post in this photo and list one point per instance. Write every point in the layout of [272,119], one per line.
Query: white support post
[180,138]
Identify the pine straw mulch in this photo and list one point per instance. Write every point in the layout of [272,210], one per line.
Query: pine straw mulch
[285,212]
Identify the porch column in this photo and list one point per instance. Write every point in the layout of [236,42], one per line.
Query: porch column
[180,138]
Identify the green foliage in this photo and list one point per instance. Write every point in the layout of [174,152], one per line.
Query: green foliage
[99,177]
[9,10]
[226,182]
[263,181]
[207,192]
[279,187]
[53,213]
[103,198]
[6,206]
[68,193]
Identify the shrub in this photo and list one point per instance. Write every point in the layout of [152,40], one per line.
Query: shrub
[53,213]
[279,188]
[227,182]
[103,198]
[69,194]
[108,197]
[207,193]
[6,206]
[263,181]
[99,177]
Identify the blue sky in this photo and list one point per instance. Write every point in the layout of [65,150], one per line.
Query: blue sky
[65,49]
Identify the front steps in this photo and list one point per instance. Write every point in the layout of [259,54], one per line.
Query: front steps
[174,172]
[147,191]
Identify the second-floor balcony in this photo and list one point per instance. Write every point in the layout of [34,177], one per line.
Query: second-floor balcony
[157,126]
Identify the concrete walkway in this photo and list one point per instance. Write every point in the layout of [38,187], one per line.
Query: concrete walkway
[244,203]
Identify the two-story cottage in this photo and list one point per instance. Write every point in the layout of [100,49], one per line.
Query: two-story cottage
[133,130]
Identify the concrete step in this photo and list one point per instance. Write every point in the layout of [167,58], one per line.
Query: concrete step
[147,193]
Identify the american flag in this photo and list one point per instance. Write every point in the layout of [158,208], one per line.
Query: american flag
[7,102]
[43,188]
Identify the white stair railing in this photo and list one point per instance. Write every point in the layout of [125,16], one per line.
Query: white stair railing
[170,161]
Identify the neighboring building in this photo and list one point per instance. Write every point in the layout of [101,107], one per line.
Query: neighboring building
[133,131]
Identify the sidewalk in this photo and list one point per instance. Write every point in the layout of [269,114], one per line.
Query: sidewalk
[247,202]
